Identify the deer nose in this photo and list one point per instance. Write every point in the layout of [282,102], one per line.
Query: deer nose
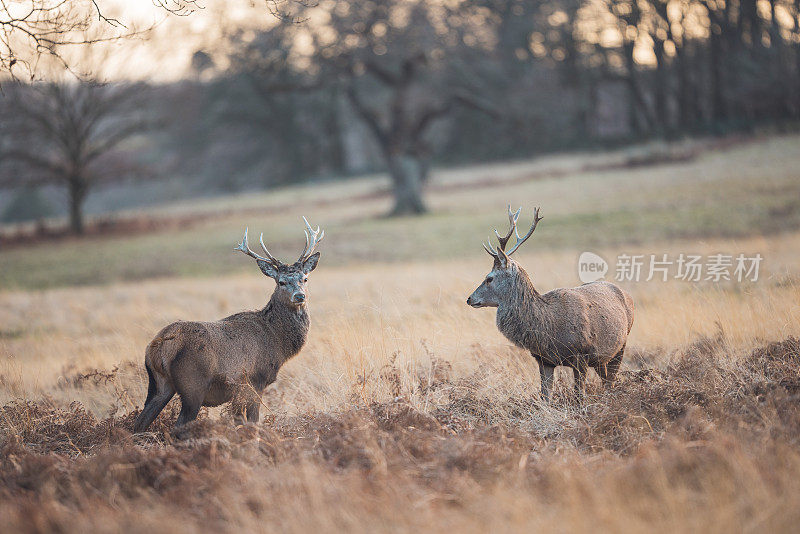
[298,297]
[469,300]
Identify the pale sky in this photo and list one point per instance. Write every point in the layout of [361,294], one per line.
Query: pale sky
[164,53]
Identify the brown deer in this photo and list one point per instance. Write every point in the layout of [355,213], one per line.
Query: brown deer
[233,359]
[579,327]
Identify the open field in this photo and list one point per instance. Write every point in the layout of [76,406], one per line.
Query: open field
[746,190]
[407,410]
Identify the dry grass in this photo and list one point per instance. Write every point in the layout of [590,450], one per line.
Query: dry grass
[706,444]
[407,410]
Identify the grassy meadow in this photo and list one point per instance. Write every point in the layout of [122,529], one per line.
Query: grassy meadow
[407,409]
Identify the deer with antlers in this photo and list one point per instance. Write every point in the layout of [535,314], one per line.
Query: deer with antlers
[233,359]
[580,327]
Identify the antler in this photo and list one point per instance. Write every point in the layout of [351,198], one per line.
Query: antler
[244,247]
[313,238]
[503,240]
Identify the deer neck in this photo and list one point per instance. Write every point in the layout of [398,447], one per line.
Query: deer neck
[521,317]
[290,323]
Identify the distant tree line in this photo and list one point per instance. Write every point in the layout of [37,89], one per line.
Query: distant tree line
[487,79]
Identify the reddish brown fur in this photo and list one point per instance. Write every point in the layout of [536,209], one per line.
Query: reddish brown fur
[233,359]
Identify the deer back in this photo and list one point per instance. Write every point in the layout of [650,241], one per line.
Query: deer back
[591,321]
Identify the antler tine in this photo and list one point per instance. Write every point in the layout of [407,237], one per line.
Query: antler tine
[245,247]
[520,241]
[488,247]
[513,216]
[270,256]
[313,238]
[512,222]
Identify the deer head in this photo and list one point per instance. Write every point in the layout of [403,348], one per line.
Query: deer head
[291,279]
[498,283]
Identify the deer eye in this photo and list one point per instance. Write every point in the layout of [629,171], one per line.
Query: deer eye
[489,279]
[305,279]
[281,283]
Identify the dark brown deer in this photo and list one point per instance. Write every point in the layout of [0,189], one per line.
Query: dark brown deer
[233,359]
[580,327]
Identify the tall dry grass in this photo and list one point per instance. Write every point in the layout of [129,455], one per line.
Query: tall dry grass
[705,444]
[407,410]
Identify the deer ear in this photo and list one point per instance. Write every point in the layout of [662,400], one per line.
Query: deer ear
[267,268]
[311,263]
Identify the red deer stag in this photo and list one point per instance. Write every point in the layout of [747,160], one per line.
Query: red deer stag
[233,359]
[579,327]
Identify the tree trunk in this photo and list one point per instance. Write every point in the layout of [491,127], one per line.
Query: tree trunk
[77,195]
[630,66]
[781,70]
[719,108]
[796,99]
[638,114]
[687,110]
[662,89]
[587,114]
[750,22]
[335,134]
[408,174]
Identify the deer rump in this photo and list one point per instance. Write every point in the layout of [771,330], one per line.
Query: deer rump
[222,357]
[207,364]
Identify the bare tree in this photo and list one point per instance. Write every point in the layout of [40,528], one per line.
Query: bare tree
[401,68]
[66,133]
[32,29]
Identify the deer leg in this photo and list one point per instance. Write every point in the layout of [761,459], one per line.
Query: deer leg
[546,373]
[252,411]
[159,393]
[190,407]
[152,386]
[192,384]
[245,404]
[153,407]
[238,411]
[579,373]
[608,371]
